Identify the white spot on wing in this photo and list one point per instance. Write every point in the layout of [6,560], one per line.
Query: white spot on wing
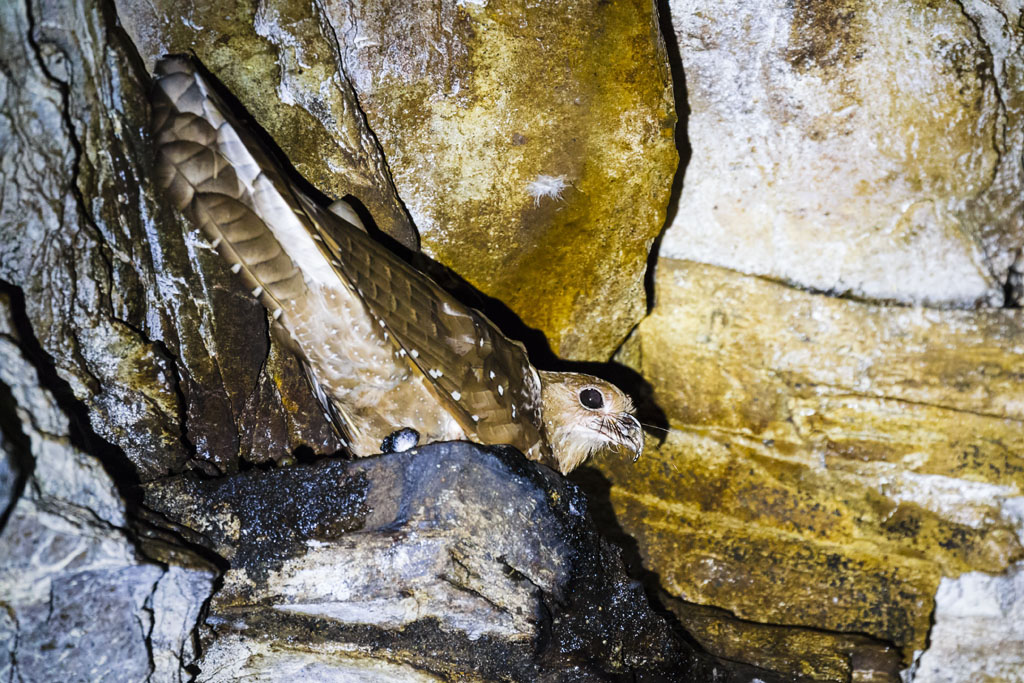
[236,268]
[256,292]
[414,353]
[456,395]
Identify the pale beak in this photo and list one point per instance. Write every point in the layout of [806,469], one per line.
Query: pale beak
[632,435]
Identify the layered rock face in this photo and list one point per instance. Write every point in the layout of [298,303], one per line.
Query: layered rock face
[828,461]
[836,345]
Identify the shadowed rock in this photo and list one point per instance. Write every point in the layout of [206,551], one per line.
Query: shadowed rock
[453,559]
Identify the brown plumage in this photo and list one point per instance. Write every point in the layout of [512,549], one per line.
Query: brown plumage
[384,347]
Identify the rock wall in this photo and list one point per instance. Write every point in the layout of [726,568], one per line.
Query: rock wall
[882,138]
[78,599]
[836,346]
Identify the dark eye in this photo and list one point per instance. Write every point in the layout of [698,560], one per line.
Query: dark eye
[591,398]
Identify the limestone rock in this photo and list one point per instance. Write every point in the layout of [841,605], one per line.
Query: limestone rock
[979,630]
[452,560]
[524,139]
[77,603]
[829,460]
[856,146]
[140,317]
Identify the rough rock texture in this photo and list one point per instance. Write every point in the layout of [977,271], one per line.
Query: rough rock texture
[453,560]
[75,598]
[978,618]
[475,106]
[829,460]
[141,318]
[834,464]
[855,146]
[129,353]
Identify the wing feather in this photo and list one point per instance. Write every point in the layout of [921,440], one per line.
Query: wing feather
[461,353]
[213,168]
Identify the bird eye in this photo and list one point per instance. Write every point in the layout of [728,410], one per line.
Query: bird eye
[591,398]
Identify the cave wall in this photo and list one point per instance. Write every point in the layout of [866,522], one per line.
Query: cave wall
[836,344]
[829,346]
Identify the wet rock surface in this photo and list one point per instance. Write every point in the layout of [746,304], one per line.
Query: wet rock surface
[453,559]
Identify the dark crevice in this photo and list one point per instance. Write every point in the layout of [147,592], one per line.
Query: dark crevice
[598,489]
[147,608]
[1013,287]
[166,542]
[887,659]
[682,139]
[17,447]
[80,431]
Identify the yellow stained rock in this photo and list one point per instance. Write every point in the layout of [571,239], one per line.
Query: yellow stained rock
[533,145]
[829,460]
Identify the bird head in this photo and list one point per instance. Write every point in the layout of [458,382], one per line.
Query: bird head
[584,415]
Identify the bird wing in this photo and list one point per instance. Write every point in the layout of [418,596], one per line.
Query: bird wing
[484,378]
[212,167]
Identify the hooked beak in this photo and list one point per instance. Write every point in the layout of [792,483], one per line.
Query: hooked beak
[632,435]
